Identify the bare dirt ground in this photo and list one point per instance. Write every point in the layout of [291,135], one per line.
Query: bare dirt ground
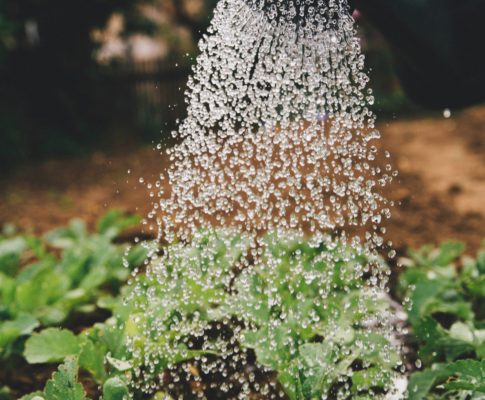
[442,178]
[441,186]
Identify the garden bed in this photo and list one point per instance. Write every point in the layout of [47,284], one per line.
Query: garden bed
[59,292]
[446,327]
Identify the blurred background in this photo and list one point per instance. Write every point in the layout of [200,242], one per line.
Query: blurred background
[78,76]
[88,89]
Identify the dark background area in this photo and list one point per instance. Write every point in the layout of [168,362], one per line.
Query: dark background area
[75,76]
[109,74]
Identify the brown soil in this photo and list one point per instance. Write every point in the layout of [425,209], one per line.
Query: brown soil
[441,186]
[442,178]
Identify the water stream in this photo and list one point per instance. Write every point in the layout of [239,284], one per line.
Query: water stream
[280,146]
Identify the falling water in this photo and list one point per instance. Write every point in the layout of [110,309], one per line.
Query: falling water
[280,144]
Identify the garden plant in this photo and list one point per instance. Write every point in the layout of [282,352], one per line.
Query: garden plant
[136,336]
[267,273]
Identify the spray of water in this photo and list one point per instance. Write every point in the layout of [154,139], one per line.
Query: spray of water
[278,152]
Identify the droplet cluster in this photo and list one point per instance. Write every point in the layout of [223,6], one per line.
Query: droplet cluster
[280,152]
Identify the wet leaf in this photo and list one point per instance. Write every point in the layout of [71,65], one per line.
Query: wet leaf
[64,385]
[51,345]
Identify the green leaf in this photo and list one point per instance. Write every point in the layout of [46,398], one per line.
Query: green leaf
[136,256]
[5,393]
[10,252]
[111,336]
[424,293]
[7,293]
[321,367]
[438,343]
[94,279]
[24,324]
[466,375]
[481,351]
[38,395]
[115,389]
[481,261]
[51,345]
[64,385]
[376,350]
[65,238]
[75,263]
[440,304]
[462,331]
[263,342]
[92,358]
[289,378]
[367,379]
[162,396]
[108,302]
[44,287]
[462,375]
[449,252]
[421,383]
[115,222]
[37,246]
[316,355]
[477,286]
[31,271]
[52,315]
[119,365]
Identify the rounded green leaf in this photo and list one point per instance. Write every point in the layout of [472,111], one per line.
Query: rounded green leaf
[115,389]
[51,345]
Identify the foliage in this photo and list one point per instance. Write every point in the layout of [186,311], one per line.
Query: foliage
[63,384]
[100,350]
[46,281]
[310,328]
[267,304]
[446,295]
[192,286]
[281,310]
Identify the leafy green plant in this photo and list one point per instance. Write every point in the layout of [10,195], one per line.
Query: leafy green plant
[63,384]
[305,311]
[305,317]
[100,350]
[301,308]
[43,282]
[446,294]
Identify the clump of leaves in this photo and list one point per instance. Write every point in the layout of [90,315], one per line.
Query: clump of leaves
[309,314]
[100,351]
[305,310]
[174,306]
[44,281]
[446,294]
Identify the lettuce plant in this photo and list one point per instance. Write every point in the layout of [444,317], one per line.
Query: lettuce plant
[44,281]
[304,309]
[446,297]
